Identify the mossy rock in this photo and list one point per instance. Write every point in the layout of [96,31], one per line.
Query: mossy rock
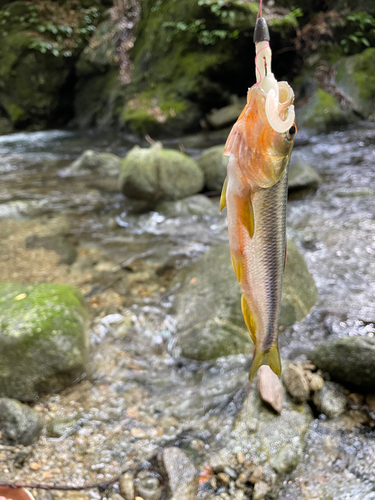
[322,113]
[157,174]
[355,76]
[213,339]
[214,166]
[43,339]
[209,289]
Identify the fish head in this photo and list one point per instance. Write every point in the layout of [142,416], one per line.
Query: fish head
[263,136]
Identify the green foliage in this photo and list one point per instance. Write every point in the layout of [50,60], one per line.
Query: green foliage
[53,29]
[199,29]
[361,29]
[290,19]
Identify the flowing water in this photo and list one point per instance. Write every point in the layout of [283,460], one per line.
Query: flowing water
[137,395]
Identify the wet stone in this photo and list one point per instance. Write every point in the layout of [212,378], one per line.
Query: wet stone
[303,176]
[270,388]
[61,427]
[19,424]
[214,166]
[330,400]
[126,485]
[180,473]
[295,383]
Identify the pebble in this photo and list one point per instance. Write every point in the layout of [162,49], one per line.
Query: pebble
[219,461]
[296,384]
[256,475]
[330,400]
[126,485]
[240,457]
[138,433]
[260,490]
[315,381]
[223,478]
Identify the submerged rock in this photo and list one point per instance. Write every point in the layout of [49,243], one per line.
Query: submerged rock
[156,174]
[19,424]
[198,204]
[43,339]
[214,166]
[303,176]
[349,360]
[330,400]
[210,297]
[106,164]
[275,442]
[180,473]
[296,383]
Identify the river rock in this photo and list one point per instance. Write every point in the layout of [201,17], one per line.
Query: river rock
[296,383]
[214,166]
[337,463]
[321,112]
[330,400]
[198,204]
[275,442]
[355,77]
[209,289]
[302,176]
[43,339]
[19,424]
[181,475]
[349,360]
[157,174]
[212,339]
[227,115]
[106,164]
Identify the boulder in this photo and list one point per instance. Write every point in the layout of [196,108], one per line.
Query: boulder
[43,339]
[19,424]
[209,300]
[275,442]
[157,174]
[303,176]
[349,360]
[321,113]
[214,166]
[355,77]
[105,164]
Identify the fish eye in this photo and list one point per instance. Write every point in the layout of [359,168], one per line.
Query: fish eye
[291,132]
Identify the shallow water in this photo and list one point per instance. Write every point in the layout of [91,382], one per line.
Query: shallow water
[133,380]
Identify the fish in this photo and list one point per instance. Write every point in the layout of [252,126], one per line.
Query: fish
[259,147]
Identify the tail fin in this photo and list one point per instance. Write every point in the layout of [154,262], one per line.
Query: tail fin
[271,358]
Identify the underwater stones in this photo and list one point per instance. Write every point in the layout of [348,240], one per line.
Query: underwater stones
[330,400]
[106,164]
[19,424]
[355,77]
[198,204]
[181,475]
[157,174]
[275,442]
[213,339]
[349,360]
[303,176]
[296,383]
[43,339]
[214,166]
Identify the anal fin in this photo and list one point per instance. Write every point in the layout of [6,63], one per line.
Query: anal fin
[247,215]
[237,266]
[249,318]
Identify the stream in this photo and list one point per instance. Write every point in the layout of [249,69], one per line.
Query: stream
[137,395]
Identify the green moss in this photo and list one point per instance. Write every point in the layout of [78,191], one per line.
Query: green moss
[15,112]
[322,112]
[363,73]
[43,338]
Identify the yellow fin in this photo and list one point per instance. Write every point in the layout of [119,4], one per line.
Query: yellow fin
[237,266]
[249,318]
[223,198]
[271,358]
[247,216]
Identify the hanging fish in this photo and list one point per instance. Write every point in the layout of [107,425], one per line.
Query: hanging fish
[255,194]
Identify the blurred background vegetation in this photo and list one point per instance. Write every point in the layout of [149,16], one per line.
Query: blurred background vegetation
[161,66]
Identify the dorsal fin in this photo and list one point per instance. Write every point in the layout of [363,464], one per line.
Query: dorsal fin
[249,318]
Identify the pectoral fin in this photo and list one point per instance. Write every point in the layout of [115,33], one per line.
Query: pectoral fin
[271,358]
[249,318]
[223,198]
[247,215]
